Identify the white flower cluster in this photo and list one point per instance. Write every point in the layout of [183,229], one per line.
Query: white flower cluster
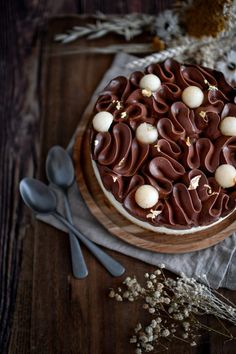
[174,307]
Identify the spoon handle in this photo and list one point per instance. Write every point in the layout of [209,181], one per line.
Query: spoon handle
[79,267]
[111,265]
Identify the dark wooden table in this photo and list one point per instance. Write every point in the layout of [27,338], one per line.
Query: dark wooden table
[54,313]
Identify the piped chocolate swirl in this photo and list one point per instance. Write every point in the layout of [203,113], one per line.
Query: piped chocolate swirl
[181,163]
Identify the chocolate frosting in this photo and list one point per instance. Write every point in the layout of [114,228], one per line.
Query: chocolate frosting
[189,144]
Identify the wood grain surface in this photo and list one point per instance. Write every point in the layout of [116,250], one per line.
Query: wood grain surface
[121,227]
[54,313]
[19,140]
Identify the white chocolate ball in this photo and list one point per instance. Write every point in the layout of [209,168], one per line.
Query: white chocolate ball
[150,82]
[102,121]
[192,96]
[228,126]
[146,133]
[146,196]
[225,175]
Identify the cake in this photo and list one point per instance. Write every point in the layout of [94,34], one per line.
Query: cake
[163,147]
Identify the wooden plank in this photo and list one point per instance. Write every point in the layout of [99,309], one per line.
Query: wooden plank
[20,335]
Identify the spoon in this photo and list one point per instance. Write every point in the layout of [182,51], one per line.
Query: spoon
[60,172]
[41,199]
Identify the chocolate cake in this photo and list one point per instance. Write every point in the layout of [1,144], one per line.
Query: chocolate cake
[163,146]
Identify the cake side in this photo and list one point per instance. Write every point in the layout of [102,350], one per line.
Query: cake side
[160,229]
[162,138]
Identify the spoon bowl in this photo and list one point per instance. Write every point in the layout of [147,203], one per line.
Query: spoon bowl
[59,167]
[38,196]
[60,172]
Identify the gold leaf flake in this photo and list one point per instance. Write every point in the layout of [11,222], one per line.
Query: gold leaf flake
[150,128]
[158,147]
[209,190]
[153,214]
[210,87]
[203,115]
[123,115]
[146,92]
[188,142]
[194,182]
[214,193]
[96,142]
[121,161]
[119,105]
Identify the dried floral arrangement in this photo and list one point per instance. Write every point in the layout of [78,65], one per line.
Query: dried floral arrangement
[187,32]
[175,308]
[213,46]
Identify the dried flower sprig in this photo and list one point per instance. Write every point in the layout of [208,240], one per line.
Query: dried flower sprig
[128,26]
[175,307]
[171,40]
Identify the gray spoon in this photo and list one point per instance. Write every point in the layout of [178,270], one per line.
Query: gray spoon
[60,172]
[41,199]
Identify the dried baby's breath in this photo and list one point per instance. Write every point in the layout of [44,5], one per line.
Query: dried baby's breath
[174,308]
[194,182]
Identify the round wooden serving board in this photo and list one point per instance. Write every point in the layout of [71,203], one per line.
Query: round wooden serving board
[118,225]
